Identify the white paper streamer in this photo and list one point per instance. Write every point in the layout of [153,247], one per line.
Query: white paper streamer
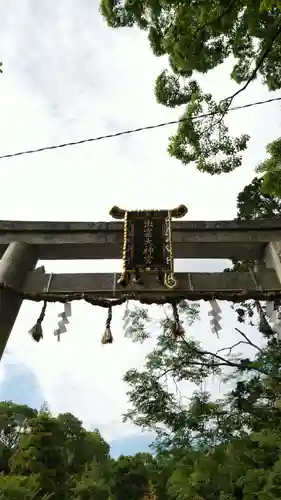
[63,320]
[215,307]
[215,317]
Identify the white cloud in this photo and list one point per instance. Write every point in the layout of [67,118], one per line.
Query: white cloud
[68,76]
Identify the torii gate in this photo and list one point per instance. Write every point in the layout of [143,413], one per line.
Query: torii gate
[22,244]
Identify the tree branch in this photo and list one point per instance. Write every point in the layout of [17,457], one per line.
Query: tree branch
[248,340]
[229,100]
[224,361]
[219,17]
[206,364]
[212,354]
[258,66]
[231,347]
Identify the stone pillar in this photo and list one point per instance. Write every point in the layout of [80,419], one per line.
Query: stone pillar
[272,257]
[17,261]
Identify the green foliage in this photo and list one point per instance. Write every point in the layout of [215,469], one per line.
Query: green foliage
[201,140]
[81,445]
[154,407]
[130,479]
[206,448]
[91,484]
[14,420]
[21,488]
[271,168]
[197,37]
[45,457]
[227,449]
[253,203]
[136,323]
[269,5]
[41,452]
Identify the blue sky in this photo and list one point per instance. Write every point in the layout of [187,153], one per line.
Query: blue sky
[21,386]
[67,76]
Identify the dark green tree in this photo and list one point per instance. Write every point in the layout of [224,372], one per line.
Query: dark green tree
[91,484]
[42,452]
[82,446]
[130,479]
[252,203]
[44,457]
[271,170]
[14,421]
[21,488]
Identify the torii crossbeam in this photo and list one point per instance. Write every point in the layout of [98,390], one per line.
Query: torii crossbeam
[22,244]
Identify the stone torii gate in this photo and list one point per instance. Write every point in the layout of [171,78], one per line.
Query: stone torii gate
[22,244]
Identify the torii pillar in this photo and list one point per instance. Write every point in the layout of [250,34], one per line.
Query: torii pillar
[17,261]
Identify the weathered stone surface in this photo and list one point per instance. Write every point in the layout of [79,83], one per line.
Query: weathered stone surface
[17,261]
[190,285]
[103,240]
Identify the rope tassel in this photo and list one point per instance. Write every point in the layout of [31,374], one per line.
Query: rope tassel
[274,316]
[264,326]
[107,336]
[36,331]
[177,328]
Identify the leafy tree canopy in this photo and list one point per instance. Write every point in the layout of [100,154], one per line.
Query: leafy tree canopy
[253,203]
[197,37]
[227,448]
[44,457]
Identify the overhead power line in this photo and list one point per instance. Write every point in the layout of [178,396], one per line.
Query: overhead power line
[132,131]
